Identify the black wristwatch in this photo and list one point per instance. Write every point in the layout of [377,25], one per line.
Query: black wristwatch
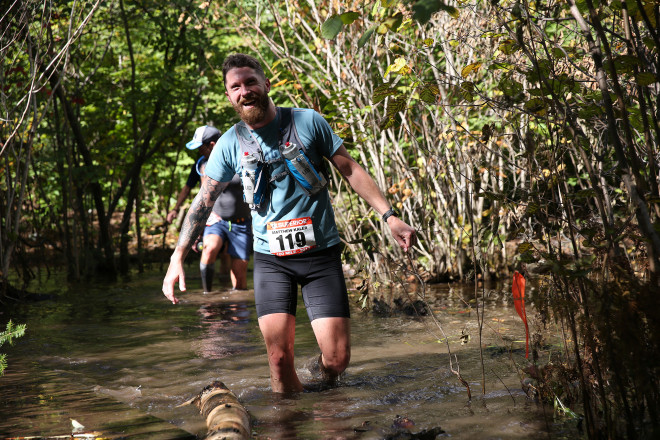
[390,212]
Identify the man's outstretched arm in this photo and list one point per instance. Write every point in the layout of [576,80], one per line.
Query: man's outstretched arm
[183,195]
[363,184]
[193,226]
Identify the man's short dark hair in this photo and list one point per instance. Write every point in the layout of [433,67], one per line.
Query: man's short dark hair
[241,60]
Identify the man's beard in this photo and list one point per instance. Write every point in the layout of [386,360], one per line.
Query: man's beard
[255,114]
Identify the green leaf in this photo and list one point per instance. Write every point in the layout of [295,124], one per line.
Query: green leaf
[512,89]
[467,70]
[508,47]
[524,247]
[424,9]
[386,123]
[537,106]
[393,22]
[12,331]
[649,43]
[558,53]
[648,8]
[405,25]
[331,27]
[589,111]
[452,11]
[562,410]
[636,118]
[349,17]
[532,208]
[365,37]
[429,93]
[501,66]
[528,257]
[399,64]
[396,105]
[645,79]
[383,91]
[467,91]
[468,85]
[535,92]
[623,64]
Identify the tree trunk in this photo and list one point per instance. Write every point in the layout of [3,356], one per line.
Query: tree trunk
[125,227]
[105,241]
[226,418]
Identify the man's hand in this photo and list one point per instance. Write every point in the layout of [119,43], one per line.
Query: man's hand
[175,273]
[365,186]
[195,246]
[403,234]
[193,226]
[171,216]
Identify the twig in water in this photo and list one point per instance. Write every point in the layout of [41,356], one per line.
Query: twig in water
[455,370]
[507,388]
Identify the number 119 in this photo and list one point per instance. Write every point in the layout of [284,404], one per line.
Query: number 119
[300,241]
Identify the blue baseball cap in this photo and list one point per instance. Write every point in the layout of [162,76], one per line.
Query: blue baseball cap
[203,135]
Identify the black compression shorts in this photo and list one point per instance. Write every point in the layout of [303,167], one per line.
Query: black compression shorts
[320,274]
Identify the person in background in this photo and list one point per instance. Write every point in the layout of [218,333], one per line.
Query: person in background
[296,241]
[228,228]
[204,139]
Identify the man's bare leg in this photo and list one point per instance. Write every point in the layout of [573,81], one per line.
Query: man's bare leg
[239,273]
[212,245]
[279,331]
[334,338]
[225,261]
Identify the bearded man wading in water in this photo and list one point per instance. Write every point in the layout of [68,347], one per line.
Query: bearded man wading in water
[296,241]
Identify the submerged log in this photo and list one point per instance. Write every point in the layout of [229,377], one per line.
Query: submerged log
[226,418]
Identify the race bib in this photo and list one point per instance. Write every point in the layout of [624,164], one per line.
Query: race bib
[288,237]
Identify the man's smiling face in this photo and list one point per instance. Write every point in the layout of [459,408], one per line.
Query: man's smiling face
[248,93]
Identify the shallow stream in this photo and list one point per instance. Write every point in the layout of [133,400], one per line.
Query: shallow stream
[120,358]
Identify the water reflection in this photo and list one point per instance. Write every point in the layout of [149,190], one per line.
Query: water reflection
[224,329]
[109,356]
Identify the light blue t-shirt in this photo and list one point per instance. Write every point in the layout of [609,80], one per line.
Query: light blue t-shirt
[286,199]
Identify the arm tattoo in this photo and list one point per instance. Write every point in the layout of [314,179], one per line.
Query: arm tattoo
[199,212]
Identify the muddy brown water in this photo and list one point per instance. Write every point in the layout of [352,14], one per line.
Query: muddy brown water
[119,359]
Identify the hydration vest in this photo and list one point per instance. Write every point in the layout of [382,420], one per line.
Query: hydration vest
[199,166]
[256,174]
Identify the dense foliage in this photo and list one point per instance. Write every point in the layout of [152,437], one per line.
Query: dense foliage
[512,134]
[98,100]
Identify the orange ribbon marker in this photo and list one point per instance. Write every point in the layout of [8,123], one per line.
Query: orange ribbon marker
[518,290]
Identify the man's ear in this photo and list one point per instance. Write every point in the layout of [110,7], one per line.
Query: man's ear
[267,85]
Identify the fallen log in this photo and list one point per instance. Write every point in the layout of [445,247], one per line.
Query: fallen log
[226,418]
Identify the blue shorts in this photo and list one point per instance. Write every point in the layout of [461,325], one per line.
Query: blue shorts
[237,236]
[320,274]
